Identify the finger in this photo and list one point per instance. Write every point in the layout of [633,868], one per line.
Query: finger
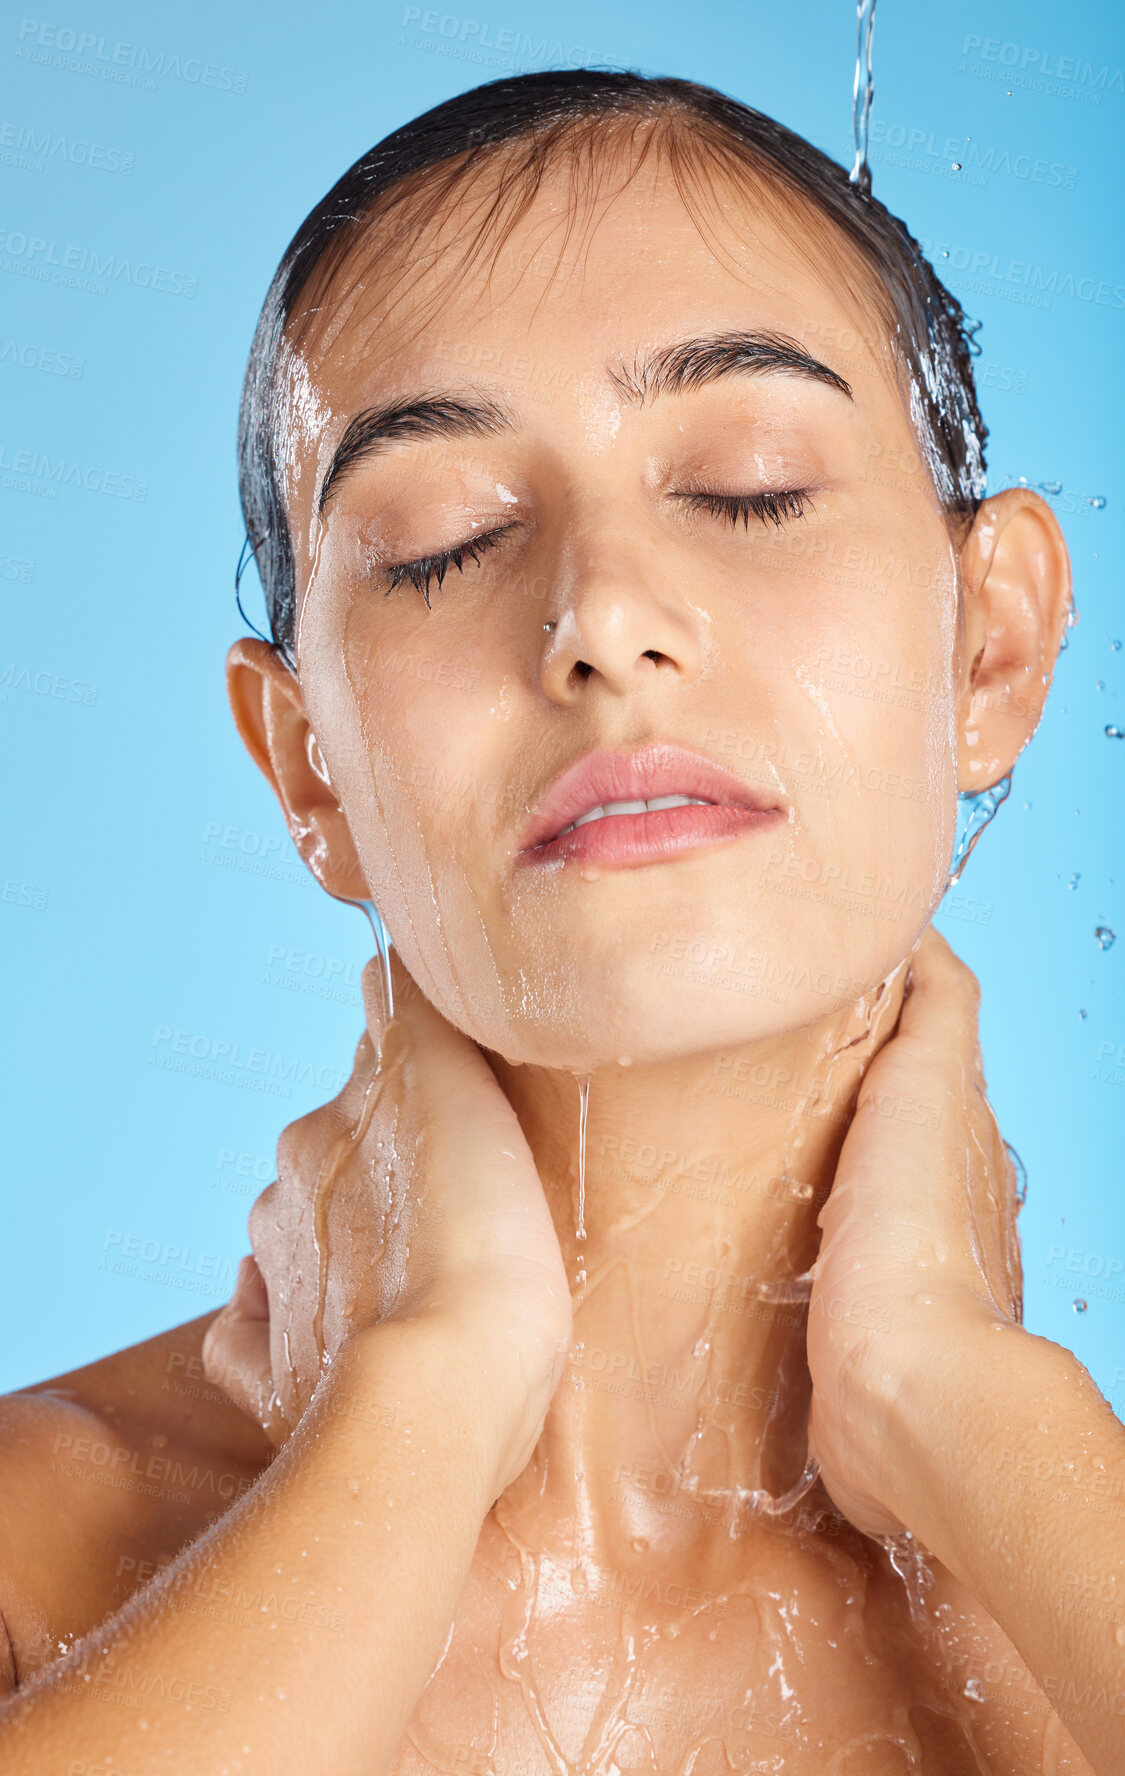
[943,1009]
[942,1002]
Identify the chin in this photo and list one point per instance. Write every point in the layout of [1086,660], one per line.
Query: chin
[651,1007]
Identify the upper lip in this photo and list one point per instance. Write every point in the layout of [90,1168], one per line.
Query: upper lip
[658,769]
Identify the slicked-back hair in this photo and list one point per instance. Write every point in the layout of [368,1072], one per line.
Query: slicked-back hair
[549,113]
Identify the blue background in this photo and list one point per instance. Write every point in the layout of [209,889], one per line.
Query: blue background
[146,882]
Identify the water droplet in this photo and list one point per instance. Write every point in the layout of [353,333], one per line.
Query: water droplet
[945,252]
[1051,488]
[975,1690]
[924,1300]
[1113,733]
[1116,646]
[1105,937]
[1083,1013]
[670,1630]
[1074,880]
[956,165]
[640,1545]
[1097,500]
[578,1580]
[1079,1306]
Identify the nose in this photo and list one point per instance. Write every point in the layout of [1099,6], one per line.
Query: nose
[616,624]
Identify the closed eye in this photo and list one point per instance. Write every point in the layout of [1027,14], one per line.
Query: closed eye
[776,507]
[772,507]
[422,572]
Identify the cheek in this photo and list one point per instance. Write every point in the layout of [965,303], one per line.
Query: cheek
[870,766]
[417,741]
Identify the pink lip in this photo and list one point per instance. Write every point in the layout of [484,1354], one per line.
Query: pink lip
[624,840]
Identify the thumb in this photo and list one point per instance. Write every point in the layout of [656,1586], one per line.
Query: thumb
[236,1352]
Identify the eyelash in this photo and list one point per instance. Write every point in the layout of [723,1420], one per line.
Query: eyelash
[420,573]
[773,507]
[776,507]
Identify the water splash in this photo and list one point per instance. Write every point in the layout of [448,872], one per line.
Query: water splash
[860,174]
[1113,733]
[763,1503]
[909,1562]
[974,811]
[1106,938]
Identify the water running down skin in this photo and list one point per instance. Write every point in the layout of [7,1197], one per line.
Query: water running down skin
[550,1494]
[402,1424]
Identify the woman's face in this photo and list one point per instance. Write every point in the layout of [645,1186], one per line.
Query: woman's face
[807,646]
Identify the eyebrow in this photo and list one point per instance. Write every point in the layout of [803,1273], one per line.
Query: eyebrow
[671,370]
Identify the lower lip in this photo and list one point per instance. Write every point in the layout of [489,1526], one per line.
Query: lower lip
[627,841]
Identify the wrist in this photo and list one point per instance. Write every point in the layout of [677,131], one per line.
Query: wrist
[939,1412]
[453,1365]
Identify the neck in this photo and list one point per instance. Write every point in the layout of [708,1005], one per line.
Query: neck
[688,1226]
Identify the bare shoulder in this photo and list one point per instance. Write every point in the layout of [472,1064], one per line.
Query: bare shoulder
[106,1473]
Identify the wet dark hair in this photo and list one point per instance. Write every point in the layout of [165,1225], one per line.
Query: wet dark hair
[550,113]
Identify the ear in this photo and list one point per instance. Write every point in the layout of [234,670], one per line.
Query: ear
[269,712]
[1016,584]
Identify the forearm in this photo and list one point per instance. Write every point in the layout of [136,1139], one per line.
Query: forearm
[298,1633]
[1012,1471]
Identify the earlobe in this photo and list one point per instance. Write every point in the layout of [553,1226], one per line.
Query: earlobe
[1016,587]
[269,712]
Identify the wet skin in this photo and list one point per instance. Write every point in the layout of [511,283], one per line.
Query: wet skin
[847,665]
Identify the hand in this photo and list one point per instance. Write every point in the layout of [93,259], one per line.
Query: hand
[919,1234]
[413,1192]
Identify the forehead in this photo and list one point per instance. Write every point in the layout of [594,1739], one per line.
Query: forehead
[555,295]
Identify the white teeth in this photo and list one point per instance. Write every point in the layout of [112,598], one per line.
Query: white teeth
[650,807]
